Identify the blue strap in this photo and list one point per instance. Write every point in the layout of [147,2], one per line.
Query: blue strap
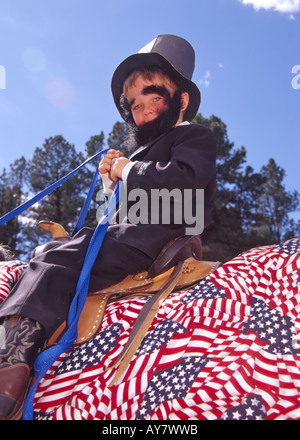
[19,209]
[86,205]
[46,359]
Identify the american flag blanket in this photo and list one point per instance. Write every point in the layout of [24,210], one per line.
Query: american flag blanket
[227,348]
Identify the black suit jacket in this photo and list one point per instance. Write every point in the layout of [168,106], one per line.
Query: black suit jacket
[183,158]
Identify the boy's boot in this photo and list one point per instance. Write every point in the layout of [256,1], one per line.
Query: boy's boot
[21,340]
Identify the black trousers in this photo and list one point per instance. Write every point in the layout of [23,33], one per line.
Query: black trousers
[45,290]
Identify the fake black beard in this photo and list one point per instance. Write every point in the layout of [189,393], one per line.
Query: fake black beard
[143,134]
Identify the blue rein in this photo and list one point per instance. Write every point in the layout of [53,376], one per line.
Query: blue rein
[19,209]
[46,358]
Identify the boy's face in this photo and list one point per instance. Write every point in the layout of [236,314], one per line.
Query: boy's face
[148,99]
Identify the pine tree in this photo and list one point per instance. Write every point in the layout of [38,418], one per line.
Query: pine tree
[12,194]
[275,204]
[117,137]
[236,195]
[50,163]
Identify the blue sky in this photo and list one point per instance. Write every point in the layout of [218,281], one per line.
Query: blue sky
[58,57]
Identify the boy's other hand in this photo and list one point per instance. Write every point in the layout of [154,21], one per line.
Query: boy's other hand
[107,161]
[117,167]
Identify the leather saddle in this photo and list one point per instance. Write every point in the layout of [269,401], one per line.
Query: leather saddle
[179,265]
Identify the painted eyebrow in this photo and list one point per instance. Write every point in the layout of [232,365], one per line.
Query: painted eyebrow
[159,90]
[149,90]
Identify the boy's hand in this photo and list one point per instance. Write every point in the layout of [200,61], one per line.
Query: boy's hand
[117,167]
[107,161]
[113,163]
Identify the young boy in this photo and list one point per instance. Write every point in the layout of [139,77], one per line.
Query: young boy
[156,97]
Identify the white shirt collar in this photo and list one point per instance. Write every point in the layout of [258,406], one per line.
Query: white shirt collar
[183,123]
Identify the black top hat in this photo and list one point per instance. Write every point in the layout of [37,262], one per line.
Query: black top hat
[168,52]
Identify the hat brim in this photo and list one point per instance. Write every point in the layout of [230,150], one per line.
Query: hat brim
[152,59]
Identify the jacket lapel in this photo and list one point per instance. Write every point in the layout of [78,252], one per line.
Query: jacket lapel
[140,150]
[144,148]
